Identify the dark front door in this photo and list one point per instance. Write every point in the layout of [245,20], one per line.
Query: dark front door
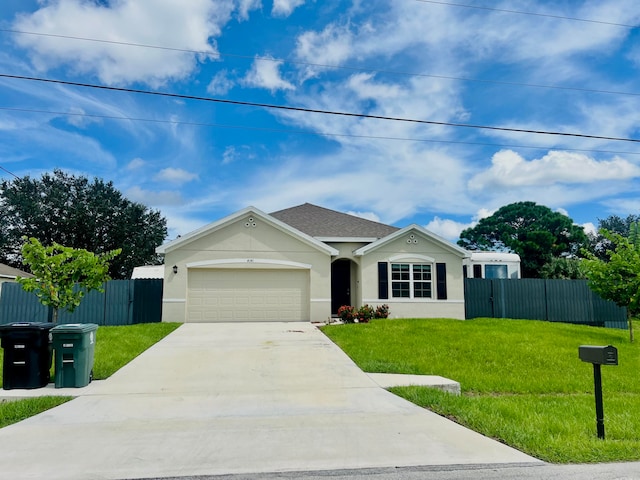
[340,284]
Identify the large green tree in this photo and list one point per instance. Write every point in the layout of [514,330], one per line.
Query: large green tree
[78,213]
[533,231]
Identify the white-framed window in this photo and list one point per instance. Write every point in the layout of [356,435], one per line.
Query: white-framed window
[411,280]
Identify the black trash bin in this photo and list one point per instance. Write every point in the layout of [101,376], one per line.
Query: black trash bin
[27,355]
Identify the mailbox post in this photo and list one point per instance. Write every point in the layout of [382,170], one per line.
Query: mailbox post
[598,356]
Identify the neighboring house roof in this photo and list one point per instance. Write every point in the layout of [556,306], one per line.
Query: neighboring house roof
[274,221]
[9,272]
[148,271]
[325,224]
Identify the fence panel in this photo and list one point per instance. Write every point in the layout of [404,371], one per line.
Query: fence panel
[567,301]
[116,306]
[16,305]
[147,300]
[523,299]
[571,302]
[478,298]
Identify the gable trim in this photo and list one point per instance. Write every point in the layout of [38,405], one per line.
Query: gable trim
[445,244]
[222,223]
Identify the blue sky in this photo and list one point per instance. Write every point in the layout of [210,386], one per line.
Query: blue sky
[555,66]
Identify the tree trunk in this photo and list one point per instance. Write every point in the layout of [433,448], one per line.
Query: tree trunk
[630,325]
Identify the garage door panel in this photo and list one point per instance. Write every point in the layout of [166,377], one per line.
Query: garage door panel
[219,295]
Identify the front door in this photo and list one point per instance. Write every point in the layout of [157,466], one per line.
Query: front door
[340,284]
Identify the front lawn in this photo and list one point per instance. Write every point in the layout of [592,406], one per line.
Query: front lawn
[522,381]
[115,347]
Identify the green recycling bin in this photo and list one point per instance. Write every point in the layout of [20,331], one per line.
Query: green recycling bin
[74,347]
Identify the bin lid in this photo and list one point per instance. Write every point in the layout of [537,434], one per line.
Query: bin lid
[28,326]
[75,328]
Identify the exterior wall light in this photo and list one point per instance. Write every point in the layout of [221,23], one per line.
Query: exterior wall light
[175,269]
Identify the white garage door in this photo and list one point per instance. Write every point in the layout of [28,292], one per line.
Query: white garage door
[248,295]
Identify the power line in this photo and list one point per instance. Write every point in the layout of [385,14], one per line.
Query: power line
[518,12]
[302,132]
[329,66]
[10,173]
[313,110]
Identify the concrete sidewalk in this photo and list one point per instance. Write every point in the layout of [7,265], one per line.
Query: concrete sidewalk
[238,398]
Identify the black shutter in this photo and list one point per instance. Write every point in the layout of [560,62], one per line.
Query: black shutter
[383,280]
[441,281]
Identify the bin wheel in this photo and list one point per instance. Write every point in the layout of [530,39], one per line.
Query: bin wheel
[91,376]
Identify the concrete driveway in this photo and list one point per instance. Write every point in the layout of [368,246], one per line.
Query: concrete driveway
[237,398]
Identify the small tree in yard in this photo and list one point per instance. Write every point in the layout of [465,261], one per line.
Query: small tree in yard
[618,279]
[63,275]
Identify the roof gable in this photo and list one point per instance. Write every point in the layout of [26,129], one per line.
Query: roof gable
[445,244]
[324,223]
[212,227]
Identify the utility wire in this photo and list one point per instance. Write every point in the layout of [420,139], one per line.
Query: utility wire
[325,65]
[10,173]
[313,110]
[518,12]
[302,132]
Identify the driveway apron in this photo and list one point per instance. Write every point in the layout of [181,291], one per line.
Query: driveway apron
[237,398]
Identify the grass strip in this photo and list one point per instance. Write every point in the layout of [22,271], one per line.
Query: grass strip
[522,381]
[18,410]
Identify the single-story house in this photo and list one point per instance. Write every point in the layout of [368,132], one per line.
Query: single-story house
[9,274]
[303,263]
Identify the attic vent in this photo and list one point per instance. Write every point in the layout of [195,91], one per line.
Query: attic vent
[250,223]
[412,239]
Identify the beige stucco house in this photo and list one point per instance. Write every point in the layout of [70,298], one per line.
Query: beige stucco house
[303,263]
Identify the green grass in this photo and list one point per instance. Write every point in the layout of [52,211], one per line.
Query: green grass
[15,411]
[115,347]
[522,381]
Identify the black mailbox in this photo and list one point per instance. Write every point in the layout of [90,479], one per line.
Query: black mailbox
[597,355]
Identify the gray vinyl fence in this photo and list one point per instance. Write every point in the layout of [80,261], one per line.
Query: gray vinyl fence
[123,302]
[566,301]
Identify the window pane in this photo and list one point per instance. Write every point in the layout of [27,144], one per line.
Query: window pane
[400,289]
[400,271]
[422,289]
[422,272]
[495,271]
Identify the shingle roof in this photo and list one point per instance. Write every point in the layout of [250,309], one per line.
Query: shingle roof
[324,223]
[10,272]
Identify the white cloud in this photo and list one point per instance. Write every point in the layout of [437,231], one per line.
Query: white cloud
[510,170]
[283,8]
[221,83]
[128,21]
[450,229]
[266,74]
[78,118]
[175,175]
[136,164]
[446,228]
[245,6]
[589,228]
